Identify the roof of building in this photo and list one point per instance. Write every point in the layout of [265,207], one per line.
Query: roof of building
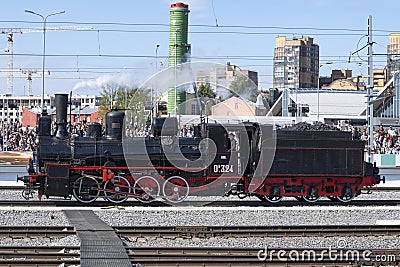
[75,111]
[325,102]
[235,99]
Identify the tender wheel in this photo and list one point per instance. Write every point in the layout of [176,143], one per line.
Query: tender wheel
[147,187]
[271,199]
[347,195]
[346,198]
[312,195]
[86,189]
[300,199]
[117,189]
[311,199]
[334,199]
[175,189]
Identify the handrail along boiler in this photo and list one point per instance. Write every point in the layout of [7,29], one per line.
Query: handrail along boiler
[266,163]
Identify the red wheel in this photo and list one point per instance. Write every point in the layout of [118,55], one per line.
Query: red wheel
[117,189]
[175,189]
[147,188]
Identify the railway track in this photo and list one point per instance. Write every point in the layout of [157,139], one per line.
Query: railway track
[257,231]
[18,232]
[212,256]
[199,203]
[162,256]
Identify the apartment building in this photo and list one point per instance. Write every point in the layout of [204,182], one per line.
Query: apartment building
[393,58]
[296,63]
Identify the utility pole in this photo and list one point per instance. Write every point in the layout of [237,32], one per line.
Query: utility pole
[44,18]
[370,104]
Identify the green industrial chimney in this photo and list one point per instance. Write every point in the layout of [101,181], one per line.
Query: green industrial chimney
[178,52]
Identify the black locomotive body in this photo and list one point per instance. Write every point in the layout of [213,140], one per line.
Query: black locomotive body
[241,159]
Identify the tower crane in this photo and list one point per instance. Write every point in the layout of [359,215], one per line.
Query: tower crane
[28,89]
[9,50]
[10,44]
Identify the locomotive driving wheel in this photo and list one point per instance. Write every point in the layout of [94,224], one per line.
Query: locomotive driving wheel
[86,189]
[147,187]
[117,189]
[175,189]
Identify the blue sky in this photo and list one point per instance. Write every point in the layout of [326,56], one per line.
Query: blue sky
[80,65]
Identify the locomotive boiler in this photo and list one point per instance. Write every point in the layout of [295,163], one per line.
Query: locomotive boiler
[244,159]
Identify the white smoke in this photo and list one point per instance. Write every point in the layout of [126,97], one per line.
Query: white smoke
[122,79]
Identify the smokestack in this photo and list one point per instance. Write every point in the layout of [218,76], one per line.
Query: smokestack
[178,50]
[61,102]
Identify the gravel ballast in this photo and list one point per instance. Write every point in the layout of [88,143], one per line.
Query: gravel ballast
[216,217]
[220,217]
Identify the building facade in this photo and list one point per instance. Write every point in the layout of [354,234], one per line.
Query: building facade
[76,115]
[12,107]
[393,58]
[224,76]
[236,107]
[296,63]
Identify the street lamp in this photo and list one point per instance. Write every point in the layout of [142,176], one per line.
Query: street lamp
[151,92]
[157,46]
[44,48]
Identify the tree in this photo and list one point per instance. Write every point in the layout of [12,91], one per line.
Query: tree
[139,106]
[244,87]
[116,97]
[205,90]
[207,98]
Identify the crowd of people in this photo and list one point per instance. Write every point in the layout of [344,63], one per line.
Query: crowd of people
[386,140]
[142,130]
[14,137]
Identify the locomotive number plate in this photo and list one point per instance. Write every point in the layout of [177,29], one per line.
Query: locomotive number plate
[221,168]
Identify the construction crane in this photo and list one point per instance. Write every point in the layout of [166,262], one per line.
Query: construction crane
[28,88]
[28,74]
[9,50]
[10,46]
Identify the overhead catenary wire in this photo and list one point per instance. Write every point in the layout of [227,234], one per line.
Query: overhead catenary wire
[199,29]
[202,25]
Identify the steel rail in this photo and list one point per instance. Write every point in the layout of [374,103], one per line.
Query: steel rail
[201,202]
[194,256]
[257,231]
[36,231]
[210,231]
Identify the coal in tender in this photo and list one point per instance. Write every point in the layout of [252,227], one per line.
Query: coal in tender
[304,126]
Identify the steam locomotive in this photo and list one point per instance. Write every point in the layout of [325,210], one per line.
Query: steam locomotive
[245,159]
